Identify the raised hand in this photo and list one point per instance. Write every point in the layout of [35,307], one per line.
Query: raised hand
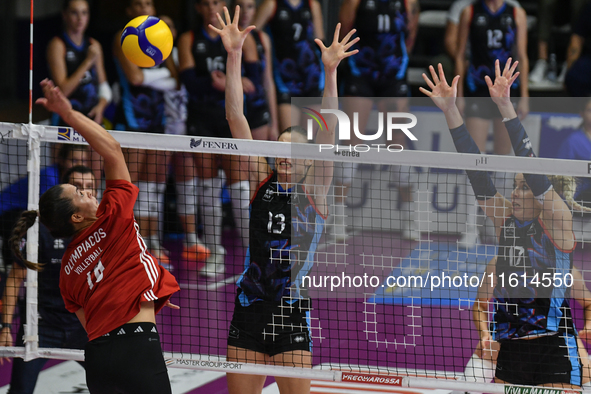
[500,90]
[232,37]
[443,95]
[54,100]
[337,51]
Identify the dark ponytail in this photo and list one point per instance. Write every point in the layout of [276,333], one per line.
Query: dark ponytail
[26,220]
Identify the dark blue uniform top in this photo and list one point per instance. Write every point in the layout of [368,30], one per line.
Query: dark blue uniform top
[209,55]
[141,107]
[52,310]
[256,73]
[383,28]
[284,232]
[492,37]
[297,67]
[536,308]
[85,97]
[15,196]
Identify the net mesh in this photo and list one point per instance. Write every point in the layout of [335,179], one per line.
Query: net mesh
[401,257]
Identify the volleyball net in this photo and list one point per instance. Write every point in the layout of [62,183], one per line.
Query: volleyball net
[398,262]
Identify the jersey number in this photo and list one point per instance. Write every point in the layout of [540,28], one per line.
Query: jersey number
[383,23]
[216,63]
[494,38]
[297,31]
[98,274]
[278,226]
[516,254]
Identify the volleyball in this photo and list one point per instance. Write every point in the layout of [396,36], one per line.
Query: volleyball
[146,41]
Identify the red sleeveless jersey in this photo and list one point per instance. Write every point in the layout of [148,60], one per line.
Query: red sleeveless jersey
[107,269]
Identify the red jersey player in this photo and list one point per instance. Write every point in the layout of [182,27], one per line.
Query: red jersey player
[107,278]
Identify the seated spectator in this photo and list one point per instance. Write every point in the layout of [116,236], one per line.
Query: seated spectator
[577,146]
[58,328]
[14,197]
[578,57]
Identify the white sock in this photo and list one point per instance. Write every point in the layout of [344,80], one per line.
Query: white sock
[240,195]
[209,197]
[186,199]
[191,239]
[479,370]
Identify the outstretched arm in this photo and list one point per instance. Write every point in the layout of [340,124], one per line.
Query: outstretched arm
[233,40]
[555,214]
[98,138]
[320,175]
[444,96]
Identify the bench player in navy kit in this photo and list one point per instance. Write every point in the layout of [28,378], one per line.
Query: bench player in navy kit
[388,30]
[293,25]
[493,29]
[288,210]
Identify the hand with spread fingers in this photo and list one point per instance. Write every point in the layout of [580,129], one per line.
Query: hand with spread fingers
[442,94]
[54,100]
[500,90]
[232,37]
[337,51]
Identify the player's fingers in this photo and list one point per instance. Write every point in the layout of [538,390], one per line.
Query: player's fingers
[425,92]
[441,74]
[507,66]
[349,35]
[488,81]
[353,52]
[227,15]
[212,27]
[319,42]
[497,69]
[428,81]
[455,81]
[434,75]
[514,66]
[236,15]
[351,43]
[337,31]
[513,78]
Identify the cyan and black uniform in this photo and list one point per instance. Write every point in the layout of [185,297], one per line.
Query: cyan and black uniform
[492,36]
[533,323]
[207,105]
[380,67]
[85,97]
[58,328]
[255,104]
[297,69]
[141,107]
[272,311]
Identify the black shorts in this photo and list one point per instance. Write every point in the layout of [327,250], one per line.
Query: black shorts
[271,328]
[544,360]
[257,116]
[207,121]
[127,360]
[365,86]
[480,105]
